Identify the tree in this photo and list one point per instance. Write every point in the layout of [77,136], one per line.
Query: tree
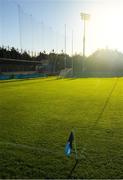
[25,56]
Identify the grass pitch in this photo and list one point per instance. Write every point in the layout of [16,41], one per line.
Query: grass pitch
[37,116]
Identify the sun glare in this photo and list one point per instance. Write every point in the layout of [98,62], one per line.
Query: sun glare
[105,28]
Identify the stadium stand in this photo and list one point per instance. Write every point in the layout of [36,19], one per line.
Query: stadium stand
[19,69]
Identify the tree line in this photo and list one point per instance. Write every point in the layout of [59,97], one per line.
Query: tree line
[56,61]
[102,61]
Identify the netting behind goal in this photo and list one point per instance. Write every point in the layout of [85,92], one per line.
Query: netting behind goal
[68,72]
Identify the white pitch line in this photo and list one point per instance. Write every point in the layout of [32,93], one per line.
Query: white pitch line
[24,146]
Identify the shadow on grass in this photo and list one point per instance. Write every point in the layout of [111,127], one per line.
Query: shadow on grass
[17,80]
[82,77]
[27,79]
[57,78]
[60,78]
[72,170]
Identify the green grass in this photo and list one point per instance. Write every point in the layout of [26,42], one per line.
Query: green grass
[36,117]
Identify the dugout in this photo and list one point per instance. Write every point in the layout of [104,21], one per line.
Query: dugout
[17,65]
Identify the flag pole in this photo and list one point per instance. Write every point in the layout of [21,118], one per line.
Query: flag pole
[75,146]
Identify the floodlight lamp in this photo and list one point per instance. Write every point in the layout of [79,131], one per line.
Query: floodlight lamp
[85,16]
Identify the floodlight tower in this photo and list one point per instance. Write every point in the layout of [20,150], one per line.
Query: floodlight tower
[20,29]
[84,17]
[65,59]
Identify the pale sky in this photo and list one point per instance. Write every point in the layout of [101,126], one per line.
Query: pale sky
[42,24]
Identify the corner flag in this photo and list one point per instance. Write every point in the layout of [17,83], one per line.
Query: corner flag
[68,147]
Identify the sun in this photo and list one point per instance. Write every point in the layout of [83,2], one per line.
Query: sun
[105,28]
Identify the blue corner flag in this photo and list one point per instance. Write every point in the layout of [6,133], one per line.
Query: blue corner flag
[68,147]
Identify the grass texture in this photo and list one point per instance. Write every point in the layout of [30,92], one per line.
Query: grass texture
[37,116]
